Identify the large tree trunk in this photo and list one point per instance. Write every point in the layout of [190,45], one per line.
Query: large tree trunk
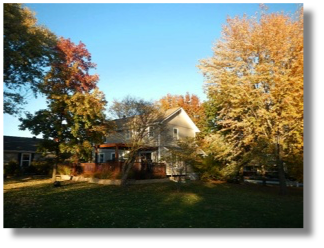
[96,154]
[54,172]
[57,153]
[126,169]
[281,172]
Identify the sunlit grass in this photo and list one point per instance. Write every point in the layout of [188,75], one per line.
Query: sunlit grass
[196,204]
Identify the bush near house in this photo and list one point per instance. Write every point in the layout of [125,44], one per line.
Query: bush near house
[64,169]
[41,167]
[12,169]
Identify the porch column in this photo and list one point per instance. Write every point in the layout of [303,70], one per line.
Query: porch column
[96,153]
[116,153]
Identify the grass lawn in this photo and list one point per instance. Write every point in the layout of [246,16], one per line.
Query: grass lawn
[36,203]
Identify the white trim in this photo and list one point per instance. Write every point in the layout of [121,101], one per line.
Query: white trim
[29,159]
[172,114]
[190,121]
[175,128]
[159,147]
[186,116]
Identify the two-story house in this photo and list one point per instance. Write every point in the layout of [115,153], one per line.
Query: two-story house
[161,135]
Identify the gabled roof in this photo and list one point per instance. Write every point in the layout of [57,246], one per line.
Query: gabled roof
[13,143]
[172,112]
[167,115]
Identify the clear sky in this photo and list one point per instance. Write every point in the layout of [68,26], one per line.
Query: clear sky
[143,50]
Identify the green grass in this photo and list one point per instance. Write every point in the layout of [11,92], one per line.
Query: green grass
[197,204]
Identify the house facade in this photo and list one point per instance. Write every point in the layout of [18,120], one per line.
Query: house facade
[161,137]
[20,150]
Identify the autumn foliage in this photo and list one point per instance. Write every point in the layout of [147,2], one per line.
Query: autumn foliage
[254,83]
[71,69]
[189,102]
[74,121]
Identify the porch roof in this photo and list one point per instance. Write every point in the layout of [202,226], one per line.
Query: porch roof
[122,145]
[111,145]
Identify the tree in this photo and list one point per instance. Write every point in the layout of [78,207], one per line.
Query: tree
[74,120]
[141,119]
[218,162]
[183,157]
[255,82]
[87,124]
[190,103]
[28,50]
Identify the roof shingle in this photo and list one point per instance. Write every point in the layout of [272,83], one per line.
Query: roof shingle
[13,143]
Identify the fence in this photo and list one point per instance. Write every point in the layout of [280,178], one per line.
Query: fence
[113,169]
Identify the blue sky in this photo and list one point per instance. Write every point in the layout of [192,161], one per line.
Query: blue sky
[143,50]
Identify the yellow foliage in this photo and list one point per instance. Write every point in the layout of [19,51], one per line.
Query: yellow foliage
[255,77]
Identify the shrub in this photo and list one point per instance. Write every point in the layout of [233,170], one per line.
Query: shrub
[64,169]
[210,168]
[77,170]
[41,167]
[12,169]
[103,174]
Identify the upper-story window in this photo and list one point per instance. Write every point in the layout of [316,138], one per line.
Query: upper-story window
[176,133]
[150,132]
[128,134]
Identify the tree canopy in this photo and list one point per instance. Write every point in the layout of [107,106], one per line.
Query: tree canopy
[254,84]
[28,50]
[189,102]
[74,119]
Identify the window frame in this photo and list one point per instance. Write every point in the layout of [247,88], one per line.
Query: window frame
[173,134]
[23,160]
[103,160]
[150,132]
[111,156]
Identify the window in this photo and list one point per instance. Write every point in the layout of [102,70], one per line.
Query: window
[113,156]
[101,157]
[175,133]
[150,132]
[25,159]
[128,134]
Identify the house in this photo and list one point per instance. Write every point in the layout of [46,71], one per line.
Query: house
[20,149]
[162,135]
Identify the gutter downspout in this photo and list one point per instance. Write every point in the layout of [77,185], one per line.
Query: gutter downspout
[159,147]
